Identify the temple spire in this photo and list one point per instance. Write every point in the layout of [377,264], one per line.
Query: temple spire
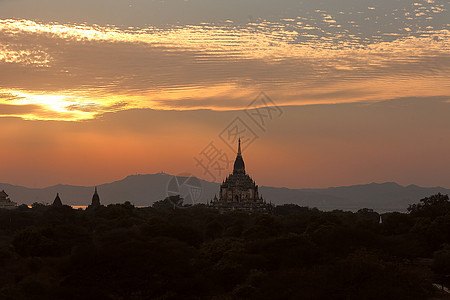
[239,148]
[95,200]
[239,166]
[57,202]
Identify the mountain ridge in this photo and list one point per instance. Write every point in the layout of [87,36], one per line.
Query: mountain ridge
[145,189]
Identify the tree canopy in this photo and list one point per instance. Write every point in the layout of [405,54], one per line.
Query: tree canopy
[124,252]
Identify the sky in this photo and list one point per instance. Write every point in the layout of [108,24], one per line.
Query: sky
[322,93]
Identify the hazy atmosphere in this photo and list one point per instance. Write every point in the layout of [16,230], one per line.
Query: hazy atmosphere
[93,91]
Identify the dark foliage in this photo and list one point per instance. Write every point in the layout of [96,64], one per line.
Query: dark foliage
[172,252]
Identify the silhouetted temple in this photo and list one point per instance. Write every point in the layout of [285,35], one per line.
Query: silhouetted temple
[239,191]
[5,202]
[57,202]
[95,200]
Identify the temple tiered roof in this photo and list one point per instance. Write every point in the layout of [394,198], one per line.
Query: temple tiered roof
[239,191]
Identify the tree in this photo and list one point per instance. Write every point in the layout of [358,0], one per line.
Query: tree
[369,214]
[169,203]
[431,207]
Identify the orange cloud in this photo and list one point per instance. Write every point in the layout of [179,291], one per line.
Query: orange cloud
[80,72]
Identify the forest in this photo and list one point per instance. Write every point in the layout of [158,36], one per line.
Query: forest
[194,252]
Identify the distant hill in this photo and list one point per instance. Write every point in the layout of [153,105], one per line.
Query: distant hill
[143,190]
[387,196]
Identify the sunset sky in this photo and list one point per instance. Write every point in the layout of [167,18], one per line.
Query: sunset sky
[322,92]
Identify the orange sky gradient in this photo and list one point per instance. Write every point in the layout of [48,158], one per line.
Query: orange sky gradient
[403,140]
[363,91]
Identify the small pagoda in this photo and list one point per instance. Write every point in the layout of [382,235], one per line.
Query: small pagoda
[57,202]
[5,202]
[95,201]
